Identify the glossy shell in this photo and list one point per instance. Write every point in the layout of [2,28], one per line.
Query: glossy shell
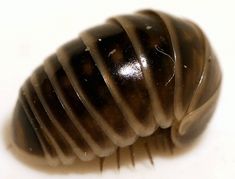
[117,82]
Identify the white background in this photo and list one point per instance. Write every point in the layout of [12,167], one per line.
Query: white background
[31,30]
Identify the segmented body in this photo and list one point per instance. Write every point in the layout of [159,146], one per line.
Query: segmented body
[115,83]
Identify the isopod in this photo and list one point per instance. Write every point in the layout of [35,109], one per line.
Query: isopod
[126,79]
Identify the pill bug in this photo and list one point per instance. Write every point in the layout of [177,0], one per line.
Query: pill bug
[129,78]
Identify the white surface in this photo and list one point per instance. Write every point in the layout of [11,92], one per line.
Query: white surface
[31,30]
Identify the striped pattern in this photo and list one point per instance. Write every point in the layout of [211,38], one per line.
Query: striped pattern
[120,81]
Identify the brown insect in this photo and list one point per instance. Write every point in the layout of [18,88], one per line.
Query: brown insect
[129,78]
